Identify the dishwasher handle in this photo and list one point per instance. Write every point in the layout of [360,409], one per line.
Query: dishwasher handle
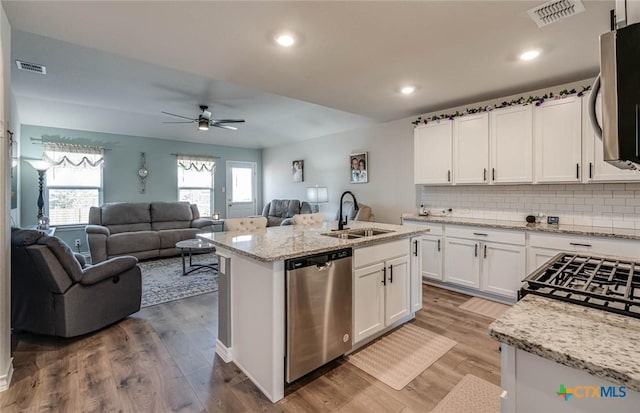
[324,267]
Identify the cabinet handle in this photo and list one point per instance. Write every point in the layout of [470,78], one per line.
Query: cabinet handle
[415,252]
[485,250]
[475,253]
[391,273]
[577,171]
[493,174]
[480,233]
[590,170]
[384,275]
[438,245]
[577,244]
[448,176]
[484,174]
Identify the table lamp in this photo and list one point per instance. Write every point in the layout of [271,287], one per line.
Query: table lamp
[41,166]
[316,195]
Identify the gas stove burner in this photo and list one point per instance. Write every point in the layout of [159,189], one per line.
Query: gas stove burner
[605,283]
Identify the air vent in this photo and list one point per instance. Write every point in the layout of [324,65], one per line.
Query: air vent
[31,67]
[554,11]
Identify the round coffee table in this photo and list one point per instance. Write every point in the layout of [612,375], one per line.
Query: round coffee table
[198,246]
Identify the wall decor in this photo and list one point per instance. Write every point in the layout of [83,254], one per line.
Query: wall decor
[359,167]
[143,172]
[297,170]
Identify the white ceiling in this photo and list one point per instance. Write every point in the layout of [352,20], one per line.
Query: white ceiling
[115,65]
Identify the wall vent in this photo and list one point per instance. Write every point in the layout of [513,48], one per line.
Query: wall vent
[31,67]
[554,11]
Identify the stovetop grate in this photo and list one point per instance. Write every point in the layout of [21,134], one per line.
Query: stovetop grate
[605,283]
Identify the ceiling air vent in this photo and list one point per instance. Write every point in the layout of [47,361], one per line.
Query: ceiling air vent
[554,11]
[31,67]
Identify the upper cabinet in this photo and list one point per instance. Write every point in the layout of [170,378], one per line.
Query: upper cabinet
[471,149]
[512,145]
[596,169]
[433,153]
[558,140]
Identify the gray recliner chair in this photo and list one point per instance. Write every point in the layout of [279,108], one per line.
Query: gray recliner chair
[281,211]
[364,212]
[54,292]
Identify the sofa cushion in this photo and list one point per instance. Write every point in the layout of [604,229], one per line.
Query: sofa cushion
[25,237]
[123,243]
[170,211]
[64,255]
[168,238]
[116,229]
[161,226]
[119,213]
[284,208]
[194,211]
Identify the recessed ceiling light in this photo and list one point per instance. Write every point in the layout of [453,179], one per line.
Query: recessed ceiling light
[407,90]
[285,40]
[530,55]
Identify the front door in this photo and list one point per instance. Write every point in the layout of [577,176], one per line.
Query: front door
[241,189]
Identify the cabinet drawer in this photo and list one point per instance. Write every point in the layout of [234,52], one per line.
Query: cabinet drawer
[434,228]
[380,252]
[595,245]
[486,234]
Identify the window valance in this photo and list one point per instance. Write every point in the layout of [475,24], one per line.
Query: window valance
[197,162]
[66,154]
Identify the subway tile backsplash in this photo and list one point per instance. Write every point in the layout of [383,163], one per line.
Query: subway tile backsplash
[602,205]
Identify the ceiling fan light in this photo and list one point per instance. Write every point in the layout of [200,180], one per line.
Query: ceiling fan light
[203,124]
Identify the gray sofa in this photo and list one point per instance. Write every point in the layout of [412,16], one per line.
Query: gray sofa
[364,212]
[142,229]
[281,211]
[54,292]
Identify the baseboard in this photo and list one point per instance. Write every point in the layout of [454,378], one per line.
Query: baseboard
[468,291]
[5,379]
[224,352]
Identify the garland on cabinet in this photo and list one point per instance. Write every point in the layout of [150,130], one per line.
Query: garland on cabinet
[537,100]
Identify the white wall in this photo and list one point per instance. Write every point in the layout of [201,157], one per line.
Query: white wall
[5,203]
[390,189]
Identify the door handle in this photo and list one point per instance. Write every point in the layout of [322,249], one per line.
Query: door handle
[577,244]
[481,233]
[577,171]
[475,252]
[415,252]
[438,245]
[449,176]
[493,174]
[384,276]
[590,170]
[484,174]
[485,250]
[391,273]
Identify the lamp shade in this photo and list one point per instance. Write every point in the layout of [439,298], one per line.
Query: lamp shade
[39,164]
[318,194]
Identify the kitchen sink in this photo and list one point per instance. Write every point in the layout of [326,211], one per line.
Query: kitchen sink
[357,233]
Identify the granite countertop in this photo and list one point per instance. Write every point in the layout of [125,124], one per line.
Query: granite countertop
[603,344]
[622,233]
[293,241]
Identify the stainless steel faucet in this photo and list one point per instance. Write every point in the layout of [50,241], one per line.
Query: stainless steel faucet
[342,223]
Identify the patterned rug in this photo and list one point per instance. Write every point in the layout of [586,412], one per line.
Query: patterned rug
[484,307]
[471,395]
[162,279]
[401,356]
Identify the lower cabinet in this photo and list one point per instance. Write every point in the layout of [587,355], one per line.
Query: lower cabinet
[382,295]
[432,246]
[461,263]
[502,268]
[538,256]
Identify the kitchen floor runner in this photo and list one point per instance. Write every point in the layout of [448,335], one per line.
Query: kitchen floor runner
[473,395]
[484,307]
[401,356]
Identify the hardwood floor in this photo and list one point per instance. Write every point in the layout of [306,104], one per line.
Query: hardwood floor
[163,359]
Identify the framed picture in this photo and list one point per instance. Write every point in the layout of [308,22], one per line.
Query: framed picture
[297,171]
[359,168]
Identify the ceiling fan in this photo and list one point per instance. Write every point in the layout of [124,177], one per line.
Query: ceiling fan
[204,120]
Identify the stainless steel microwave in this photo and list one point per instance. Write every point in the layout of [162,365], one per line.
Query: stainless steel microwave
[619,85]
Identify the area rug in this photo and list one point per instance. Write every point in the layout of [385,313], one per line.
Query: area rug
[484,307]
[162,279]
[472,395]
[401,356]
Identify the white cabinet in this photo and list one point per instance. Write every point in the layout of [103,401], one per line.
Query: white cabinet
[471,149]
[558,140]
[503,268]
[537,256]
[461,263]
[432,246]
[416,274]
[511,145]
[381,287]
[596,169]
[433,153]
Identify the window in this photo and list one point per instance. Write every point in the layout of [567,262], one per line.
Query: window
[73,183]
[195,181]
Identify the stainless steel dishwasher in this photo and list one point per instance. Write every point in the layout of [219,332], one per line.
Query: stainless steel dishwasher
[318,311]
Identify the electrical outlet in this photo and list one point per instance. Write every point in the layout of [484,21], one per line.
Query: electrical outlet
[78,243]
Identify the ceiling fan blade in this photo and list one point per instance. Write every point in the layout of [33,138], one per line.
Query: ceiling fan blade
[182,121]
[227,120]
[179,116]
[217,125]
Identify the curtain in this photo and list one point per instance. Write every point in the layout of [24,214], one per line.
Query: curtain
[65,154]
[197,162]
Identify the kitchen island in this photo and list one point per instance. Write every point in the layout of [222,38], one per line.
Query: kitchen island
[252,296]
[551,346]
